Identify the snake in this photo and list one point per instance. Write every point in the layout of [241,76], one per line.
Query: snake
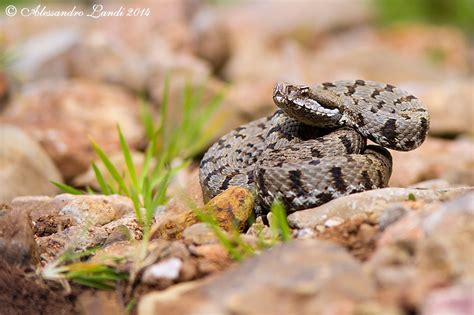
[314,147]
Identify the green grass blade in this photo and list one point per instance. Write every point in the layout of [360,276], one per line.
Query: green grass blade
[93,284]
[149,155]
[104,188]
[279,221]
[110,167]
[164,108]
[128,158]
[134,195]
[66,188]
[147,119]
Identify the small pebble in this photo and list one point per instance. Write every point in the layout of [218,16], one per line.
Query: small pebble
[167,269]
[333,222]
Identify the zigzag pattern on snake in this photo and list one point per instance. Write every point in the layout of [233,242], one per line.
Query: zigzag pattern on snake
[313,149]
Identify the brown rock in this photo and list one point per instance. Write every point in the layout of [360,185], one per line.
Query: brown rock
[211,258]
[173,221]
[100,303]
[450,104]
[17,243]
[78,238]
[425,250]
[125,228]
[199,234]
[60,115]
[434,160]
[26,168]
[232,208]
[63,210]
[322,273]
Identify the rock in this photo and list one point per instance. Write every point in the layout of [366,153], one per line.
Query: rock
[212,258]
[26,168]
[184,70]
[50,213]
[86,211]
[452,251]
[434,160]
[171,223]
[391,215]
[42,55]
[211,38]
[425,250]
[17,243]
[454,300]
[186,184]
[260,229]
[323,273]
[449,103]
[60,115]
[100,303]
[357,234]
[231,208]
[259,50]
[173,219]
[124,250]
[199,234]
[432,184]
[125,228]
[147,302]
[78,238]
[373,201]
[113,59]
[166,269]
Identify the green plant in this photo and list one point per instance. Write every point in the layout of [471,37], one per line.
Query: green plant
[237,248]
[169,149]
[278,222]
[455,12]
[233,242]
[68,267]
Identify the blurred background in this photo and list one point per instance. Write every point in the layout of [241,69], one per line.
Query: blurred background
[63,79]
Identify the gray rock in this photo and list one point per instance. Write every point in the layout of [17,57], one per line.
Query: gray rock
[17,243]
[199,234]
[90,209]
[26,169]
[374,201]
[391,214]
[299,277]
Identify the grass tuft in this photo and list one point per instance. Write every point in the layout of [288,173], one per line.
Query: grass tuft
[94,275]
[170,148]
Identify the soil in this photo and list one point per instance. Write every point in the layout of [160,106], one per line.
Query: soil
[23,292]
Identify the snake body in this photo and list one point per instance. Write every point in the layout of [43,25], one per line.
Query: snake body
[313,148]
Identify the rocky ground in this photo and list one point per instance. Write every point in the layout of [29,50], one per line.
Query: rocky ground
[404,249]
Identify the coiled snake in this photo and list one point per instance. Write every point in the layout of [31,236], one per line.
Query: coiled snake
[313,149]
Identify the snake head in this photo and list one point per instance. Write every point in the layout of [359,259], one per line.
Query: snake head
[301,102]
